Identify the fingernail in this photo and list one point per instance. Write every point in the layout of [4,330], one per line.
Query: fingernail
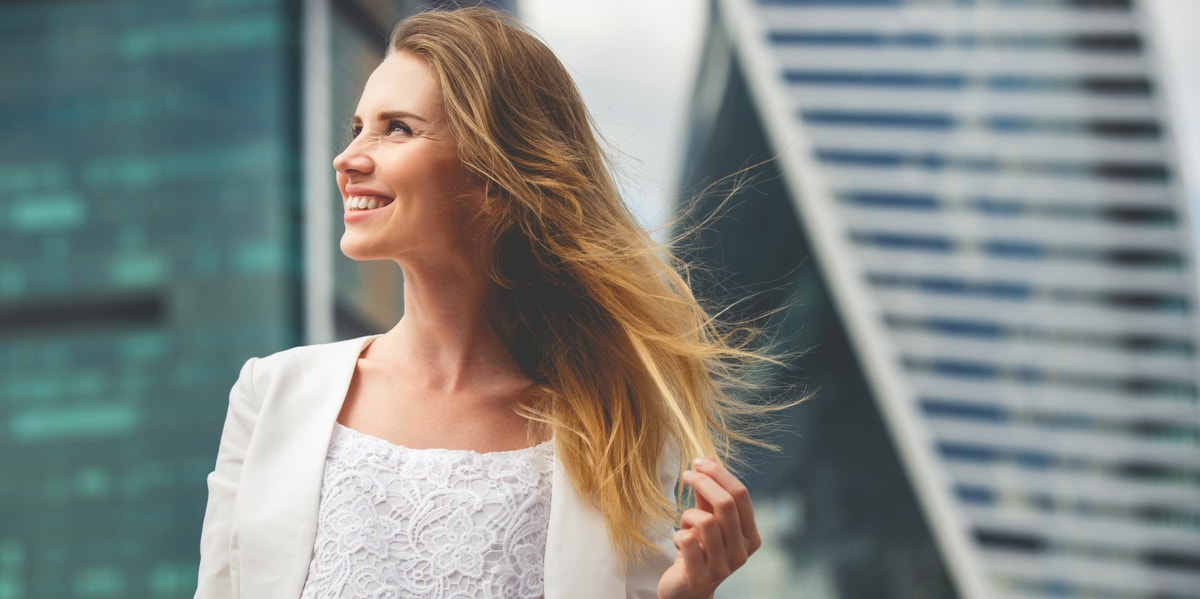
[699,462]
[688,474]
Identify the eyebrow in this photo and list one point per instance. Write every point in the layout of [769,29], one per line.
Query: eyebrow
[395,114]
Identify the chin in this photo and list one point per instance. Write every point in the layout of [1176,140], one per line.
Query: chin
[355,250]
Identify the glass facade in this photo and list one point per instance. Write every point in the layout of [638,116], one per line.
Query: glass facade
[838,516]
[990,260]
[150,242]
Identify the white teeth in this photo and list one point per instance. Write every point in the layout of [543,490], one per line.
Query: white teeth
[364,203]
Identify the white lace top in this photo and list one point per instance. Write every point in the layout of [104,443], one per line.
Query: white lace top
[430,523]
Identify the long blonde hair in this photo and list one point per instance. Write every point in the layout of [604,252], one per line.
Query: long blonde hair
[599,315]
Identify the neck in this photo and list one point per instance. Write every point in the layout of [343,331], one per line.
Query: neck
[447,335]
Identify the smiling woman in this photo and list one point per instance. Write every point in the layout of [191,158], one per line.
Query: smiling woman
[521,430]
[404,188]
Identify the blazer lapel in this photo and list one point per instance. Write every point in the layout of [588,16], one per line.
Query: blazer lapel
[280,488]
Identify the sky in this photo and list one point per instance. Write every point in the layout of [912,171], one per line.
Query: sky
[1177,23]
[635,62]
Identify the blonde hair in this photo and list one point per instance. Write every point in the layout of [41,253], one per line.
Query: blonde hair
[600,316]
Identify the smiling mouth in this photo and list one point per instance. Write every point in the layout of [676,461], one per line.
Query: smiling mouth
[366,203]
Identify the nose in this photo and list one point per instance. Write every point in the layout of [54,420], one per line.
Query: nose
[353,159]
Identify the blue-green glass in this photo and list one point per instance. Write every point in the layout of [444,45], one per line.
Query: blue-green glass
[148,160]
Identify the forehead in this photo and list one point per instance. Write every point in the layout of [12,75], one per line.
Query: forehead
[402,82]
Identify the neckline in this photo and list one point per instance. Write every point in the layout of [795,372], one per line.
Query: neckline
[540,447]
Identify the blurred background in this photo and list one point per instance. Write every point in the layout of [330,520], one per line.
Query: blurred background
[978,215]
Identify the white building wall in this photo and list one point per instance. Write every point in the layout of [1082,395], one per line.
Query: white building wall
[992,193]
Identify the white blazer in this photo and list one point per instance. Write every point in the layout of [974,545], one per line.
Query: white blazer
[261,520]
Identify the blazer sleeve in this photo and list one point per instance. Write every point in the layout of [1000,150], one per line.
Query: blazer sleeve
[217,576]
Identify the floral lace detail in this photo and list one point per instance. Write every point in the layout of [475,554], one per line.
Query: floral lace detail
[430,523]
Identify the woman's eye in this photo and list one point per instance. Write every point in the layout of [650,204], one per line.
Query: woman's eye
[354,130]
[397,126]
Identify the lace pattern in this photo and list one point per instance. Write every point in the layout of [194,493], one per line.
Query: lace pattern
[430,523]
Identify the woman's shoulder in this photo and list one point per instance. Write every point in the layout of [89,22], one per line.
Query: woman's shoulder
[298,373]
[307,358]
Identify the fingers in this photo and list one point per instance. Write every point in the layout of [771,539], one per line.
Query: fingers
[688,544]
[719,506]
[715,537]
[712,540]
[733,488]
[701,550]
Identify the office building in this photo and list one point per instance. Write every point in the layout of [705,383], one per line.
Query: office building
[157,165]
[974,215]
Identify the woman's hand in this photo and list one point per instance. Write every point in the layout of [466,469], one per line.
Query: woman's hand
[715,537]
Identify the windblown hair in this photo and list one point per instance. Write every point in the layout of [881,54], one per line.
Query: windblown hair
[624,359]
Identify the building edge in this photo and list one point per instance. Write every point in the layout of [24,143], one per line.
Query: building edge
[852,299]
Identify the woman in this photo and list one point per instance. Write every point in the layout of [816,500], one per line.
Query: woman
[520,431]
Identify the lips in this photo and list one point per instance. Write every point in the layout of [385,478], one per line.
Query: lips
[366,202]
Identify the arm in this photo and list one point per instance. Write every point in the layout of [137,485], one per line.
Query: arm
[715,538]
[215,579]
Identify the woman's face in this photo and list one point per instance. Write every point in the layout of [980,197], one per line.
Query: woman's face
[405,193]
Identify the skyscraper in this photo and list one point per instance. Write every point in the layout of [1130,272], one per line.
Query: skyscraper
[974,215]
[157,163]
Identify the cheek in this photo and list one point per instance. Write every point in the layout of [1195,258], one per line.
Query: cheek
[455,176]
